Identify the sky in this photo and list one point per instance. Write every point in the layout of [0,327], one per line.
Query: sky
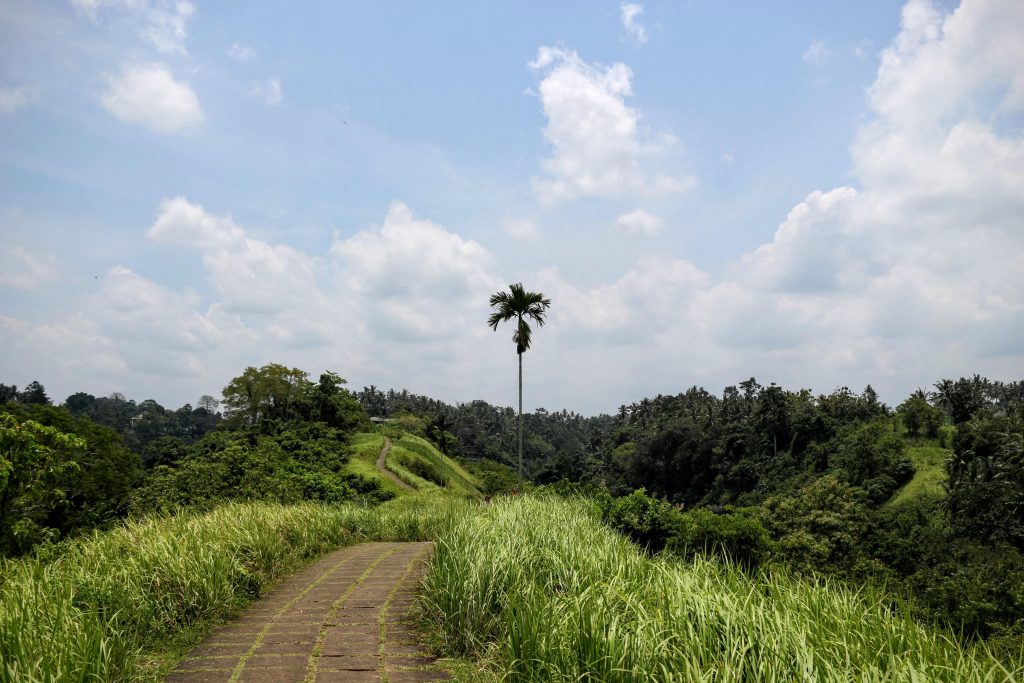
[813,194]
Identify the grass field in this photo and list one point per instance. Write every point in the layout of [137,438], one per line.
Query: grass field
[929,477]
[412,452]
[366,447]
[542,591]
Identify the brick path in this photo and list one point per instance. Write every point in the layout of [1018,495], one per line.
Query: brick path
[344,618]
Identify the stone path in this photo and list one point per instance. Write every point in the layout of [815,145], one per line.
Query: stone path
[344,618]
[383,467]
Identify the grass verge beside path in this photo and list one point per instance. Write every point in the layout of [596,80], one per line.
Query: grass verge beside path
[546,593]
[112,600]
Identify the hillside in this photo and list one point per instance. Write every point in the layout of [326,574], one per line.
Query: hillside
[929,478]
[414,460]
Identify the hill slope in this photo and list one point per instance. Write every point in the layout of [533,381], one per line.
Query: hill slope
[415,461]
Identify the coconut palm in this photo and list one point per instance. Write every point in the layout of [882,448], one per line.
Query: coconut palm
[520,305]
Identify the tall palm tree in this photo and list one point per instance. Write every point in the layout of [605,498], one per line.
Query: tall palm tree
[522,305]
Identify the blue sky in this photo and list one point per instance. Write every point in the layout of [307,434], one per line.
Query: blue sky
[818,195]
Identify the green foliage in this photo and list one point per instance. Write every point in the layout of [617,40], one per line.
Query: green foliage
[494,477]
[872,457]
[301,461]
[821,527]
[34,462]
[545,592]
[986,478]
[72,488]
[919,416]
[736,535]
[648,521]
[278,393]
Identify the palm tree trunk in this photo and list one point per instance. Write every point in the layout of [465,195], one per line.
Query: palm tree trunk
[520,419]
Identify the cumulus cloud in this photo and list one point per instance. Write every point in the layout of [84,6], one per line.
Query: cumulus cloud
[597,149]
[22,268]
[148,94]
[639,222]
[636,30]
[917,270]
[13,99]
[249,275]
[419,278]
[269,92]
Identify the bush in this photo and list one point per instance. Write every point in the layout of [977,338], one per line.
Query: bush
[648,521]
[737,536]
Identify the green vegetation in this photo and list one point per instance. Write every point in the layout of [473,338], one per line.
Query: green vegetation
[929,475]
[434,465]
[546,592]
[88,612]
[758,493]
[366,446]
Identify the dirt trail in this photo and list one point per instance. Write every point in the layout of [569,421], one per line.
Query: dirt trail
[382,466]
[344,618]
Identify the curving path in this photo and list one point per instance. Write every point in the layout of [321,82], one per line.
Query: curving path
[345,618]
[382,466]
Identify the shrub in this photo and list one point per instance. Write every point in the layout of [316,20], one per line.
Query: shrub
[737,536]
[648,521]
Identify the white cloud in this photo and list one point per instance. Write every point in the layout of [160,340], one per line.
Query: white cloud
[249,275]
[596,145]
[415,279]
[185,224]
[817,53]
[728,158]
[24,269]
[639,222]
[269,92]
[13,99]
[634,28]
[161,23]
[147,94]
[917,271]
[521,228]
[242,53]
[166,26]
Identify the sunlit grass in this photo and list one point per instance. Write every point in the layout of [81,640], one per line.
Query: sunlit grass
[930,475]
[566,599]
[92,613]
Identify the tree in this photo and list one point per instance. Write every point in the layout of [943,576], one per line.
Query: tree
[34,393]
[521,305]
[269,392]
[33,459]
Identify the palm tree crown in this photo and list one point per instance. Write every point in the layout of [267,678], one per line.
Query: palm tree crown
[518,304]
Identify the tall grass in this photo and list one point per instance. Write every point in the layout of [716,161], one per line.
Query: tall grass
[566,599]
[91,613]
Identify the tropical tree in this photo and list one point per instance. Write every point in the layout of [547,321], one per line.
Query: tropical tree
[522,306]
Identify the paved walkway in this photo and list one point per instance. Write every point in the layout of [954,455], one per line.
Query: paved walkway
[344,618]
